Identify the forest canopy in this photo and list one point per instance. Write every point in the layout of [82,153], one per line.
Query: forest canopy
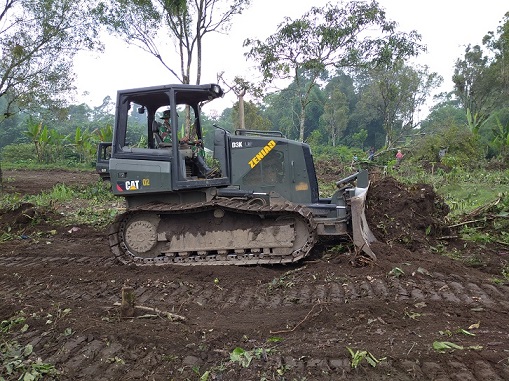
[365,95]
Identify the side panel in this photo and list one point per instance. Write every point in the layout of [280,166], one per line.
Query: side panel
[139,176]
[271,164]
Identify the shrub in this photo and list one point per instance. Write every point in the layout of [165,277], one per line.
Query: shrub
[463,148]
[15,153]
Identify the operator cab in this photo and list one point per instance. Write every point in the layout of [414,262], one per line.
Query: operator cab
[158,141]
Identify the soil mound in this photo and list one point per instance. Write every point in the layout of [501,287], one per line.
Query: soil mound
[24,216]
[413,216]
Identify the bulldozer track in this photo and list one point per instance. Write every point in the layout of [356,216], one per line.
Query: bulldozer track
[247,255]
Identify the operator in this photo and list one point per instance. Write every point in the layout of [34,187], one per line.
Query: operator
[165,128]
[165,132]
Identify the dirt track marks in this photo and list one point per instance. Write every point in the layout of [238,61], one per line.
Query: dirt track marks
[84,356]
[455,292]
[37,261]
[435,287]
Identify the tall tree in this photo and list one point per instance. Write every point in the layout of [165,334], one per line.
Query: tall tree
[254,118]
[498,43]
[335,116]
[475,85]
[281,111]
[338,36]
[240,87]
[147,24]
[395,94]
[38,41]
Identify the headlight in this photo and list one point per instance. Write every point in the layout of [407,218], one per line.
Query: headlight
[216,89]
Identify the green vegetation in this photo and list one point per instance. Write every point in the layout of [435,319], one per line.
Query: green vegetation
[47,147]
[396,272]
[240,357]
[443,346]
[89,205]
[18,361]
[358,356]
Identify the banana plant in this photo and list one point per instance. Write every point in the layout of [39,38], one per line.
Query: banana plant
[42,137]
[57,142]
[475,121]
[82,142]
[105,134]
[45,139]
[33,132]
[501,137]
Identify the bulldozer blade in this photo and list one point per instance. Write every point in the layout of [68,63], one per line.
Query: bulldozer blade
[362,235]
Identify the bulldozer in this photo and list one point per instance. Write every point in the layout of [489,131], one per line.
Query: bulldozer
[255,200]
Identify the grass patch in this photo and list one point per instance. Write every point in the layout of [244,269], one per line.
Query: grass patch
[33,165]
[465,191]
[463,197]
[92,204]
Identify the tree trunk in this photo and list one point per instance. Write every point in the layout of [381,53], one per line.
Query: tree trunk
[302,119]
[241,110]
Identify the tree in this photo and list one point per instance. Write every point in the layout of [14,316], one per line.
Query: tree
[335,116]
[254,118]
[498,44]
[148,23]
[474,85]
[501,137]
[240,87]
[332,36]
[447,112]
[395,94]
[280,110]
[38,41]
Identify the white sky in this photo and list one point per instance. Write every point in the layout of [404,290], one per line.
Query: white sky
[446,26]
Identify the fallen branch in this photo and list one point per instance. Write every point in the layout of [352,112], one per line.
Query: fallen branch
[469,222]
[485,219]
[448,237]
[302,321]
[484,208]
[155,313]
[168,315]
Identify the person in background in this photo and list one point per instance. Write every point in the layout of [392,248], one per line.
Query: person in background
[371,154]
[442,152]
[399,157]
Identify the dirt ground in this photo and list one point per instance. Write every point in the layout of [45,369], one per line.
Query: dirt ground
[260,322]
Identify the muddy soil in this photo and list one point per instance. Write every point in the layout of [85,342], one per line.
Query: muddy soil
[260,322]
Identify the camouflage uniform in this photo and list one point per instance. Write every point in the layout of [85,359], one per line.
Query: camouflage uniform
[165,129]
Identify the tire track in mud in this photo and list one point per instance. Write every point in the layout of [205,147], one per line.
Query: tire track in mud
[478,370]
[82,357]
[421,290]
[436,287]
[38,261]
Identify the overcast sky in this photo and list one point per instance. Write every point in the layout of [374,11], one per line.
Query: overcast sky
[446,26]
